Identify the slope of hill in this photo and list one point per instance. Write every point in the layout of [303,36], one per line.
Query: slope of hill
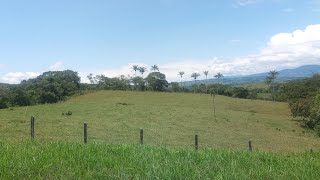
[168,119]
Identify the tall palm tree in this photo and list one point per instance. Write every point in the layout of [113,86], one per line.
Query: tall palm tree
[154,68]
[142,70]
[206,74]
[195,76]
[135,68]
[181,73]
[218,76]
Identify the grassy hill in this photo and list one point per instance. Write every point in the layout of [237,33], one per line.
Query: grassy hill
[168,119]
[101,161]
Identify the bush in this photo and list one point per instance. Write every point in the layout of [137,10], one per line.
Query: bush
[69,113]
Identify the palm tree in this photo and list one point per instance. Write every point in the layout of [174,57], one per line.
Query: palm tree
[142,70]
[135,68]
[218,76]
[181,73]
[195,76]
[154,68]
[206,74]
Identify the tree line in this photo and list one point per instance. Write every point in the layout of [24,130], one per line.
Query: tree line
[303,97]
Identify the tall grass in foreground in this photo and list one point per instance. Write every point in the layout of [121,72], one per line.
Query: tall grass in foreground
[101,161]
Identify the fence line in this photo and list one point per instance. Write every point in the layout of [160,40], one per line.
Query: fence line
[85,135]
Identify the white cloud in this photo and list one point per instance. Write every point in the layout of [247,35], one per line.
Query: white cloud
[311,33]
[17,77]
[243,3]
[288,10]
[239,3]
[125,70]
[234,40]
[284,50]
[58,66]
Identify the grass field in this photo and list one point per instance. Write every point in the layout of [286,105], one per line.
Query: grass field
[101,161]
[168,119]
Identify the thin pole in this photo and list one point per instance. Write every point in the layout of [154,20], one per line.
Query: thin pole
[141,136]
[250,146]
[196,141]
[32,128]
[85,133]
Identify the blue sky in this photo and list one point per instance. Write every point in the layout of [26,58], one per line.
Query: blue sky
[234,37]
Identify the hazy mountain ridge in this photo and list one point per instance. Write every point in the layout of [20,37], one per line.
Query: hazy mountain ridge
[284,75]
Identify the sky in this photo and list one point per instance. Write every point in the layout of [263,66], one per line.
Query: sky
[234,37]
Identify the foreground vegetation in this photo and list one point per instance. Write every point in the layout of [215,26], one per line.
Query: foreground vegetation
[168,119]
[101,161]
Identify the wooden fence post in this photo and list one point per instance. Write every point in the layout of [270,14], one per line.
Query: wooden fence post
[196,139]
[32,128]
[250,146]
[141,136]
[85,133]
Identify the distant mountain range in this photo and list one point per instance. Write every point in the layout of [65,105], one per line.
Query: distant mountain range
[3,84]
[284,75]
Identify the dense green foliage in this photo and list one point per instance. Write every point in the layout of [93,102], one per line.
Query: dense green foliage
[101,161]
[304,100]
[50,87]
[157,81]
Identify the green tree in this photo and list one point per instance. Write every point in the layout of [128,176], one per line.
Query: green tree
[20,97]
[53,86]
[139,83]
[91,78]
[270,79]
[157,81]
[303,97]
[174,87]
[116,83]
[4,97]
